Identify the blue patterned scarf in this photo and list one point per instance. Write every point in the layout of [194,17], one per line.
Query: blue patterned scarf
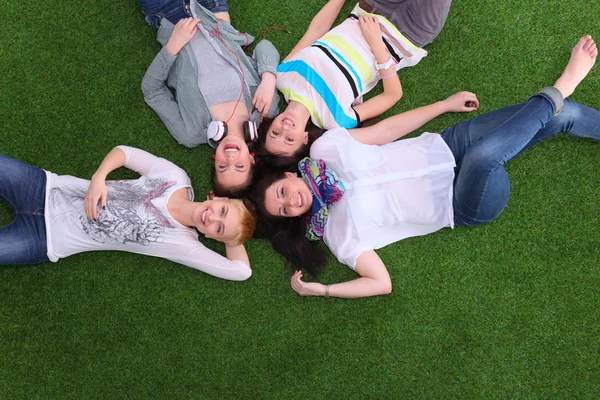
[326,189]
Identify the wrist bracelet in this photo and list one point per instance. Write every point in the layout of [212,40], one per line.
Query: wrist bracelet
[327,291]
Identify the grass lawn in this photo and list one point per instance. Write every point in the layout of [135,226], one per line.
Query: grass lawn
[506,310]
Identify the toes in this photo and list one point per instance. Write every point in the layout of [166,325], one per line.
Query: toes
[588,43]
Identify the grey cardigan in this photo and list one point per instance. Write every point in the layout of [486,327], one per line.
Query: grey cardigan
[187,115]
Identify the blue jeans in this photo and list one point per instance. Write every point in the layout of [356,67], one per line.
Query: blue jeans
[174,10]
[23,188]
[482,145]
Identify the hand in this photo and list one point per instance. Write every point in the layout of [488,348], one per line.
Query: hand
[182,34]
[370,29]
[306,288]
[462,102]
[96,192]
[263,97]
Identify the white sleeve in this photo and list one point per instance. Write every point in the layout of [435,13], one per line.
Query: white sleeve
[141,161]
[204,259]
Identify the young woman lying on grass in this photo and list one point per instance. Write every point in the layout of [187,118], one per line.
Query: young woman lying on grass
[326,74]
[214,80]
[361,191]
[57,216]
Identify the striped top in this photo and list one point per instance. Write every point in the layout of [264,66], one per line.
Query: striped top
[332,74]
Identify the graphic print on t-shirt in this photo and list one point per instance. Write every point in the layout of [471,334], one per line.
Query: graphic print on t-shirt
[129,217]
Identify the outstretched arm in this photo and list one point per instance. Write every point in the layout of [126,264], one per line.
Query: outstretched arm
[395,127]
[374,280]
[320,25]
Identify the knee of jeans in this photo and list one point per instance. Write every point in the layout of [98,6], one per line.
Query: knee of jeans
[481,158]
[567,116]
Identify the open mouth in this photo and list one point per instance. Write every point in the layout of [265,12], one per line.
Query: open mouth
[203,217]
[231,147]
[300,200]
[288,121]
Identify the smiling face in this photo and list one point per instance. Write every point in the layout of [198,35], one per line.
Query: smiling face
[286,136]
[233,162]
[217,219]
[288,197]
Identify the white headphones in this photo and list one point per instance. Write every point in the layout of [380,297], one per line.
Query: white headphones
[217,130]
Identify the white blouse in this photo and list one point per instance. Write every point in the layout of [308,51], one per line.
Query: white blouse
[398,190]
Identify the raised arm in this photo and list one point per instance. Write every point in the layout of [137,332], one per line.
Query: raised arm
[97,190]
[203,259]
[136,160]
[374,280]
[320,25]
[267,59]
[237,253]
[392,89]
[154,84]
[395,127]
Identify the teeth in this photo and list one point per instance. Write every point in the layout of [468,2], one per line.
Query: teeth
[287,121]
[299,200]
[231,149]
[204,216]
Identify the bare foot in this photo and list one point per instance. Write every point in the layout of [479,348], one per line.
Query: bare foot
[583,57]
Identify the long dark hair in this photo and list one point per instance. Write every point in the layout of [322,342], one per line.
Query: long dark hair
[286,234]
[314,132]
[233,192]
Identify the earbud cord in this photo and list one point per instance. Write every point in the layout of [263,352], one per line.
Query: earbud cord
[218,34]
[239,65]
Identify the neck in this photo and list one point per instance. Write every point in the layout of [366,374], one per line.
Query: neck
[182,209]
[299,110]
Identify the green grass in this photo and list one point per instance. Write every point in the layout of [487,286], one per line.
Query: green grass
[505,310]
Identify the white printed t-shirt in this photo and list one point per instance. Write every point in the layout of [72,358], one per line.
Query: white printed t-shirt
[395,191]
[136,218]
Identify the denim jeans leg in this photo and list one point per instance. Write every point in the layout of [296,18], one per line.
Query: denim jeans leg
[481,186]
[214,6]
[23,188]
[575,120]
[156,10]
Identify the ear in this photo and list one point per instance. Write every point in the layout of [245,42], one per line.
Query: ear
[305,140]
[252,160]
[290,175]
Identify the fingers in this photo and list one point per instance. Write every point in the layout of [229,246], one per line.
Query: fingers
[189,25]
[261,104]
[297,282]
[93,206]
[472,101]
